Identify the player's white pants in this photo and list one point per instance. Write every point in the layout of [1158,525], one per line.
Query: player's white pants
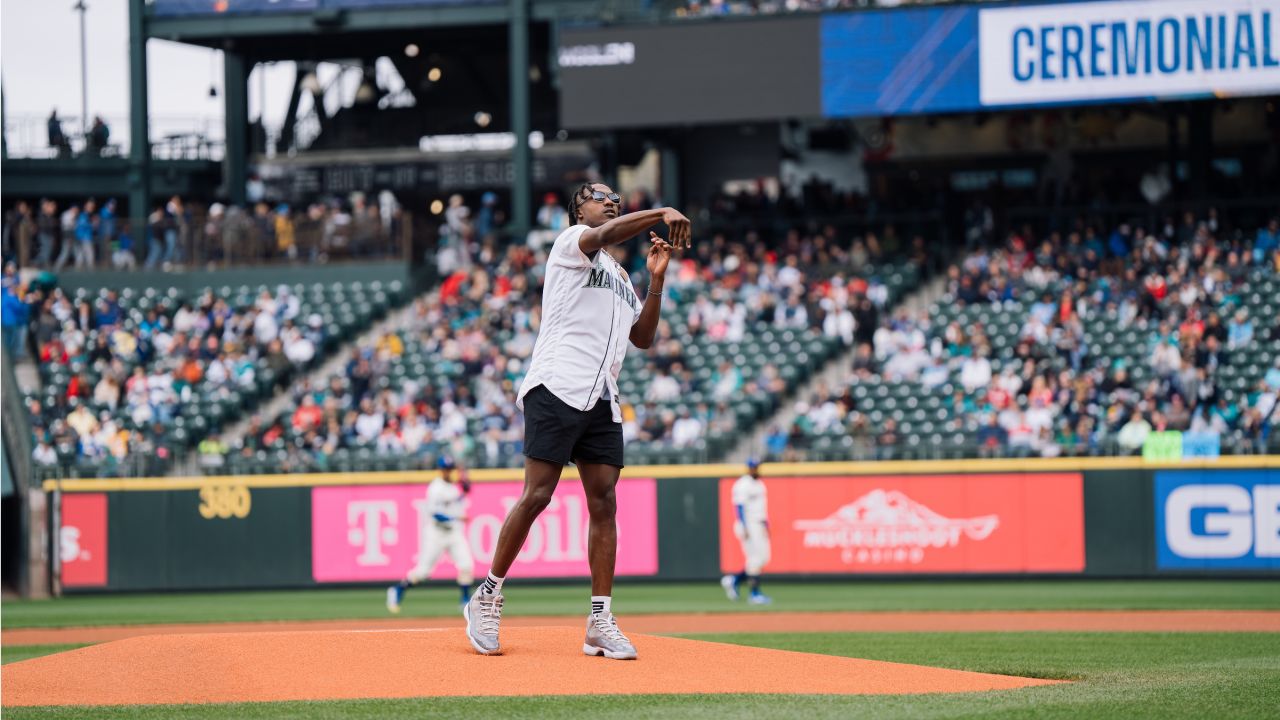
[435,539]
[755,547]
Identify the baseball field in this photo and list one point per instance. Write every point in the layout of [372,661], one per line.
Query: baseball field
[1123,649]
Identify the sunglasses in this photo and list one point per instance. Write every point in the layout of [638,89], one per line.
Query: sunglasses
[600,196]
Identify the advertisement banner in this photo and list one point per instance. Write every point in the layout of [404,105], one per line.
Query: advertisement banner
[370,533]
[1217,519]
[918,524]
[82,540]
[963,58]
[1140,49]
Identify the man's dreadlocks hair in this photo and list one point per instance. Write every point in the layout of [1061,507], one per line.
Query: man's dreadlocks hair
[579,196]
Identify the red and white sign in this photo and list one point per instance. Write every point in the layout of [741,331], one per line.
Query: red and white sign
[918,524]
[370,533]
[82,540]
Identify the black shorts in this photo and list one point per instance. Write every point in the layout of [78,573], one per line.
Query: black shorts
[558,433]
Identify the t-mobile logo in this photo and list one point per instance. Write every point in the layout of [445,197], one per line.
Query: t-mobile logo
[365,529]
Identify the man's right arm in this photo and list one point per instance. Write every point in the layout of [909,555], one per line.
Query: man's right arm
[624,227]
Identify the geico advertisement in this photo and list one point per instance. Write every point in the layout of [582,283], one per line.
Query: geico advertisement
[1218,519]
[372,532]
[917,524]
[82,540]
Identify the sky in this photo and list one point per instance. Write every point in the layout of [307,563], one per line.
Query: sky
[40,66]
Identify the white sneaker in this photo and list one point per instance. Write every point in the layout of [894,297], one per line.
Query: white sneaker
[604,638]
[483,613]
[730,585]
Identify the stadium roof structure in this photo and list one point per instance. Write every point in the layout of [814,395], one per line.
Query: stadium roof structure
[494,43]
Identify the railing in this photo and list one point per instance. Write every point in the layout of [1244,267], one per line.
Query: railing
[238,238]
[172,138]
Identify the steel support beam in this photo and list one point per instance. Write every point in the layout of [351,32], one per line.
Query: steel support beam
[139,128]
[235,89]
[522,177]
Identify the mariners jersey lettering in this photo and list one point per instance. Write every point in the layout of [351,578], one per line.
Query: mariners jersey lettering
[588,308]
[750,494]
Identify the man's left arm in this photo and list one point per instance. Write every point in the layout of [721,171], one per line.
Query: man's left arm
[645,327]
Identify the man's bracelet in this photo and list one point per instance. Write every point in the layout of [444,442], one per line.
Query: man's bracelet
[651,292]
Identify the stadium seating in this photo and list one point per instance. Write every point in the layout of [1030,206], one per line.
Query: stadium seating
[435,379]
[882,416]
[180,416]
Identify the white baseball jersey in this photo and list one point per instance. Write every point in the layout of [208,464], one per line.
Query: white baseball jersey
[446,498]
[751,495]
[588,308]
[435,538]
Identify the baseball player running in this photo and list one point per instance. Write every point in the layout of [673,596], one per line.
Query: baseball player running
[590,311]
[444,532]
[751,526]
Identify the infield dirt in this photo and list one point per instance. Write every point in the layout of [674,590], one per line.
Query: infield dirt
[330,665]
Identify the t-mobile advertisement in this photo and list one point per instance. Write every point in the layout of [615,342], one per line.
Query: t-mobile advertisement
[918,524]
[370,533]
[82,540]
[637,76]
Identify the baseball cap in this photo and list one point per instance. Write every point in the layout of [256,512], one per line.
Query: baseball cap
[753,463]
[445,463]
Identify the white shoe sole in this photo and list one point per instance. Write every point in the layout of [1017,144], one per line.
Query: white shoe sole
[474,644]
[598,651]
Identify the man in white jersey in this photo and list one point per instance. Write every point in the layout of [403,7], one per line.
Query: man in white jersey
[442,531]
[751,527]
[590,313]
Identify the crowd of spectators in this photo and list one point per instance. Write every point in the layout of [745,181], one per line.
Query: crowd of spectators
[711,8]
[1058,380]
[48,236]
[117,379]
[478,329]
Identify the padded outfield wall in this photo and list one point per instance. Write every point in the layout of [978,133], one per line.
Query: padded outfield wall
[1098,517]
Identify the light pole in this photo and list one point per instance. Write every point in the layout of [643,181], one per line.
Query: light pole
[84,73]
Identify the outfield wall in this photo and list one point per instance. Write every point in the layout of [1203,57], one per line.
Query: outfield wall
[1101,517]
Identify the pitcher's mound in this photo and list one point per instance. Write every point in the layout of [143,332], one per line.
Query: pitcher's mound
[259,667]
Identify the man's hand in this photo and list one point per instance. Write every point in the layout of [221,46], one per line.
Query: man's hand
[659,255]
[679,230]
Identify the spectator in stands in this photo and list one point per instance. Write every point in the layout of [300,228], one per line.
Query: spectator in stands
[84,233]
[67,222]
[57,139]
[686,430]
[46,232]
[99,135]
[975,373]
[1272,378]
[887,441]
[44,453]
[1267,241]
[1133,434]
[1239,331]
[992,438]
[726,381]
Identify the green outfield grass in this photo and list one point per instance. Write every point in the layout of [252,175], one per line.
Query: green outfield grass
[15,653]
[1122,676]
[651,598]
